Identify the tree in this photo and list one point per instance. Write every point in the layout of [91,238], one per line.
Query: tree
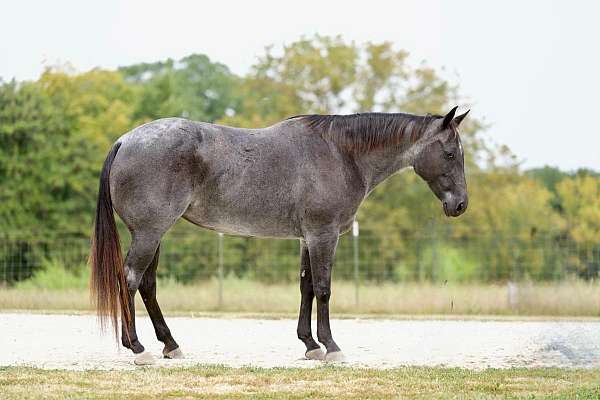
[328,75]
[33,137]
[193,87]
[56,131]
[580,200]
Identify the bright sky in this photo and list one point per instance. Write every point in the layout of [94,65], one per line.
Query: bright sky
[529,68]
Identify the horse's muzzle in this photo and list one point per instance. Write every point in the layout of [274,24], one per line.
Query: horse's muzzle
[455,205]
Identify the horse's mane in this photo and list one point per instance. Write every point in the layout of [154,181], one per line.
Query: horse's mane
[358,133]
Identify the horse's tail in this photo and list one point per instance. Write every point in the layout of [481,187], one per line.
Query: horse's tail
[108,287]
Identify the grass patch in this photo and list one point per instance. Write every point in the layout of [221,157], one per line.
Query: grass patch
[299,383]
[54,276]
[55,288]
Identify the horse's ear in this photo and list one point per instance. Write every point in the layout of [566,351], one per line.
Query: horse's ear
[448,118]
[459,119]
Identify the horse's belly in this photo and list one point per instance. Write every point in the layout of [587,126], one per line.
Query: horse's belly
[254,224]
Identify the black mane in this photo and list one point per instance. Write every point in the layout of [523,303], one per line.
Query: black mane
[358,133]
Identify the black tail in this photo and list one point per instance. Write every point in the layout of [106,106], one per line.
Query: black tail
[108,287]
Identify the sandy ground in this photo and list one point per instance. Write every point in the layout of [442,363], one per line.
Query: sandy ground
[75,342]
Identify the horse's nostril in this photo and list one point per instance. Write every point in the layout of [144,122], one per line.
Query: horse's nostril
[460,206]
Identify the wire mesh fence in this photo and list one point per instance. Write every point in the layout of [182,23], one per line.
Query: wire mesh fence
[418,257]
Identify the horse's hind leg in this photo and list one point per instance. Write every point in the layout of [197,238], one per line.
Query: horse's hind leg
[307,293]
[148,292]
[140,254]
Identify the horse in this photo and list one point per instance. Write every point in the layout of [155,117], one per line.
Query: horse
[303,178]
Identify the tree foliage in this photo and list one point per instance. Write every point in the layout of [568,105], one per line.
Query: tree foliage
[55,132]
[193,87]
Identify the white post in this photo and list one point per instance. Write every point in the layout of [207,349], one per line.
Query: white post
[220,270]
[356,261]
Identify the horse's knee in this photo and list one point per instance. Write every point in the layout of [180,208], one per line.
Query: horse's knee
[322,293]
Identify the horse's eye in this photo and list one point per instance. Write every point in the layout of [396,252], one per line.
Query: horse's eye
[450,156]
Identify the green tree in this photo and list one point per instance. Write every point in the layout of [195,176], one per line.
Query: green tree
[328,75]
[56,131]
[193,87]
[33,137]
[96,108]
[580,200]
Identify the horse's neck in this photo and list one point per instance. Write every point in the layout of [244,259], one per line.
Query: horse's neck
[378,165]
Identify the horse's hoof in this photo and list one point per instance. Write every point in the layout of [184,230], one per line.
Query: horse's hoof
[144,358]
[173,354]
[315,354]
[334,356]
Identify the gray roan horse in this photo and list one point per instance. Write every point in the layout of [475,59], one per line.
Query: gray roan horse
[303,178]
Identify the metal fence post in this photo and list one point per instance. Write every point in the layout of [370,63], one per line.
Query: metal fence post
[434,252]
[220,271]
[356,261]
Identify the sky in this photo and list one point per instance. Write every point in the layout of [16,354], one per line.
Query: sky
[528,69]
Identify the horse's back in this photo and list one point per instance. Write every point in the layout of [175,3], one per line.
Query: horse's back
[252,183]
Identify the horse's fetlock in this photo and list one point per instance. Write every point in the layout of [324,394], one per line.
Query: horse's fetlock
[323,338]
[303,334]
[134,345]
[163,335]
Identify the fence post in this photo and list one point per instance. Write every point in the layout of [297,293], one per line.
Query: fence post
[356,261]
[434,251]
[220,271]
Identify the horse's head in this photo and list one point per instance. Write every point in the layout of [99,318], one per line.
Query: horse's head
[441,164]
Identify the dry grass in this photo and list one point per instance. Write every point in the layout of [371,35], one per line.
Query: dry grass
[298,383]
[572,298]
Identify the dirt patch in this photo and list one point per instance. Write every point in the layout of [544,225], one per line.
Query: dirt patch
[75,342]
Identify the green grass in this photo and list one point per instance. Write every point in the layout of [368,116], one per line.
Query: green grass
[208,382]
[54,276]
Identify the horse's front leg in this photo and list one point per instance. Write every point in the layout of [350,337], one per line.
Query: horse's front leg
[307,293]
[321,249]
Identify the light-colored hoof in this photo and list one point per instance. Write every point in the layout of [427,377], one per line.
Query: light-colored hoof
[315,354]
[335,356]
[175,354]
[144,358]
